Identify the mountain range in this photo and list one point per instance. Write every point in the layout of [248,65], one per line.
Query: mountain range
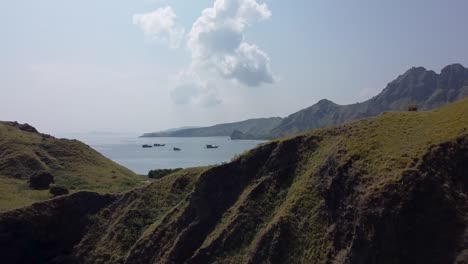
[417,86]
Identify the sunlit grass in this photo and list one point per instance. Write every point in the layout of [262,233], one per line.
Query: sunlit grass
[74,165]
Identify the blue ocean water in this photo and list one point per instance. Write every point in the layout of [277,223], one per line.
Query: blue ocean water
[127,150]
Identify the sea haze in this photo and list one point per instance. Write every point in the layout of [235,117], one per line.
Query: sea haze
[126,150]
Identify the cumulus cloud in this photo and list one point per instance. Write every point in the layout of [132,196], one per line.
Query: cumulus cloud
[188,88]
[160,25]
[217,43]
[249,65]
[218,48]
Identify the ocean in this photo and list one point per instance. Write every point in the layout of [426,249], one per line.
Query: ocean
[127,150]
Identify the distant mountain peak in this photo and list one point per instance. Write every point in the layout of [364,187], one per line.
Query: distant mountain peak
[419,69]
[325,102]
[414,72]
[454,67]
[417,85]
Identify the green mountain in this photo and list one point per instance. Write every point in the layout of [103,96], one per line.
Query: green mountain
[257,127]
[418,86]
[25,153]
[387,189]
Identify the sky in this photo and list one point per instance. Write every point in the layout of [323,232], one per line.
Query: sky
[147,65]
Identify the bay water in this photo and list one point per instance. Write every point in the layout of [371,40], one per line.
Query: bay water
[127,150]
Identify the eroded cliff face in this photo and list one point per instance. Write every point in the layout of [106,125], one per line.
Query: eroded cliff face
[391,189]
[421,218]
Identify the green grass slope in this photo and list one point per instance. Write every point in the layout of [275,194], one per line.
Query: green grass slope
[74,165]
[389,189]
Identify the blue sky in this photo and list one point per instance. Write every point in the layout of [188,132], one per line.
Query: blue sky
[77,66]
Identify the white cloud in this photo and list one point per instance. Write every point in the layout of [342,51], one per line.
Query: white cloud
[216,42]
[160,25]
[189,89]
[209,99]
[184,93]
[218,49]
[249,65]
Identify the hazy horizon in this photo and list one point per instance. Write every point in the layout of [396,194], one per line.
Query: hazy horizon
[148,65]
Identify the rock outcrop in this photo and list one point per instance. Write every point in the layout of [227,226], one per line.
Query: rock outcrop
[41,180]
[238,135]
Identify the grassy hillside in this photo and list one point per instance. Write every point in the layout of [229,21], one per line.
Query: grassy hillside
[389,189]
[24,151]
[419,86]
[259,128]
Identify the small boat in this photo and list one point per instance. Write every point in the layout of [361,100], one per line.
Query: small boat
[146,146]
[159,145]
[176,149]
[211,146]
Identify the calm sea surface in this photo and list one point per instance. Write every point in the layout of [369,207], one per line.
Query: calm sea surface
[127,150]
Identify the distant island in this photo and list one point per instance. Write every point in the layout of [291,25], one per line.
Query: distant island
[417,86]
[256,128]
[171,130]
